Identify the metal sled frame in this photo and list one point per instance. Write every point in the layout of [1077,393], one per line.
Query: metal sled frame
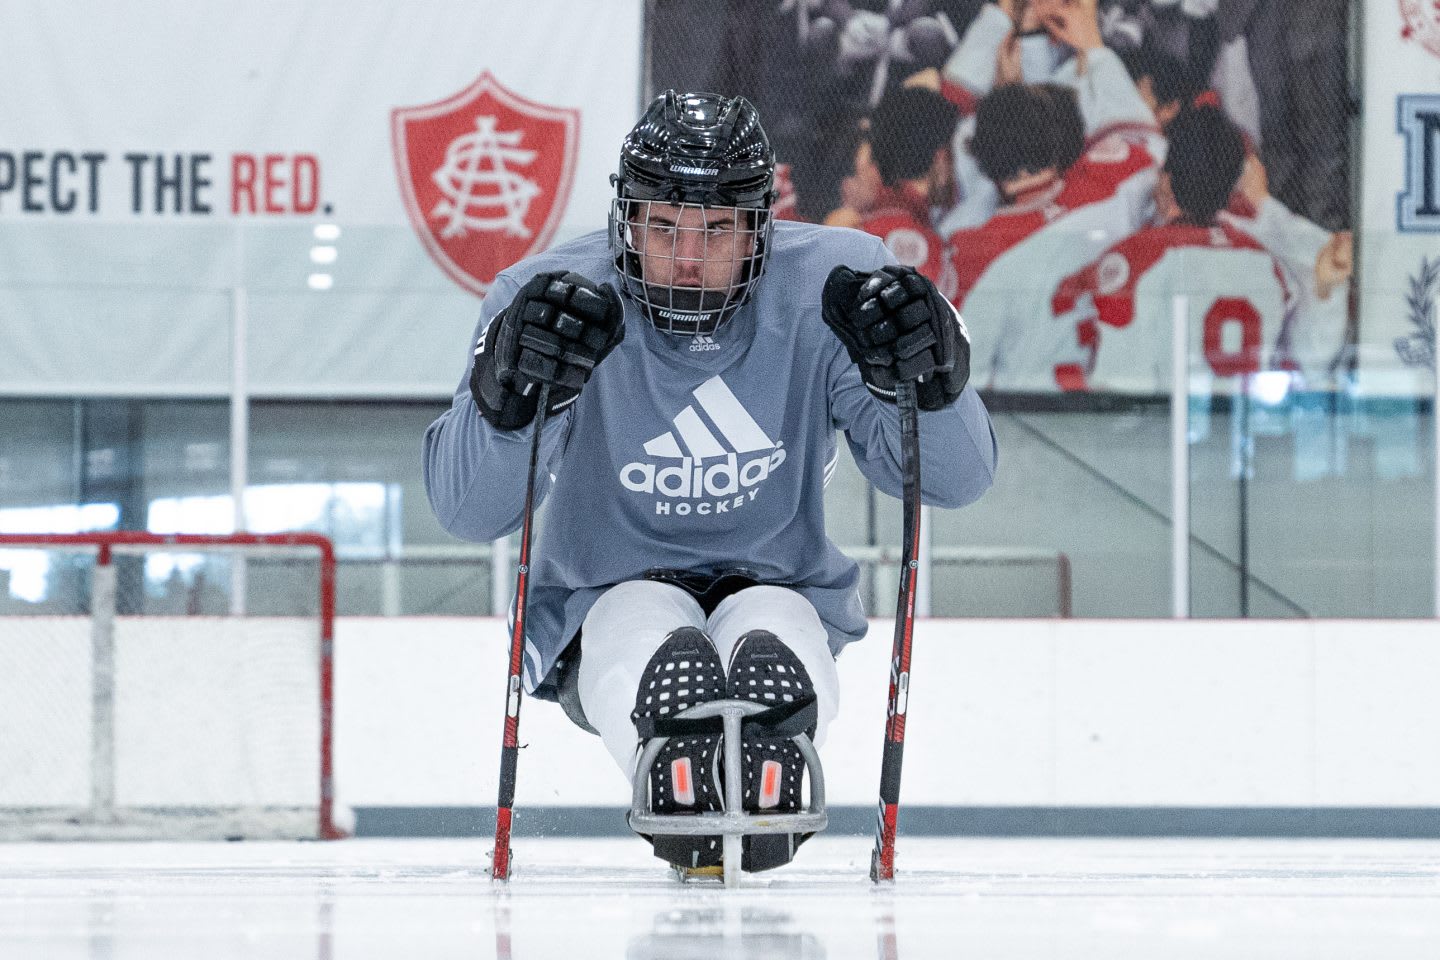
[734,823]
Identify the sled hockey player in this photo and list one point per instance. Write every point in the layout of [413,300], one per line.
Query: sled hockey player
[700,358]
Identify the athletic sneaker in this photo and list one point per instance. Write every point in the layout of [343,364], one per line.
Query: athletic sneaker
[686,777]
[764,670]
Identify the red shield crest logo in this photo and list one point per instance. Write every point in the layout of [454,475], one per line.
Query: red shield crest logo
[485,175]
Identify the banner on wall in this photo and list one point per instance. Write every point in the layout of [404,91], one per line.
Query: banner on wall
[155,158]
[1016,153]
[1401,203]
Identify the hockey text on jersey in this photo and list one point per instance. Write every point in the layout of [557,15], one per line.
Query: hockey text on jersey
[709,475]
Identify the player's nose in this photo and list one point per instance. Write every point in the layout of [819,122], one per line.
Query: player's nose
[690,251]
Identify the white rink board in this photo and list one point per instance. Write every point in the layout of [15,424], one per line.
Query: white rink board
[1002,713]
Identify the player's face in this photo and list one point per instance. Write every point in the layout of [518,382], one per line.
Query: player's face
[692,247]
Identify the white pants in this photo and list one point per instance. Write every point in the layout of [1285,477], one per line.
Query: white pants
[629,622]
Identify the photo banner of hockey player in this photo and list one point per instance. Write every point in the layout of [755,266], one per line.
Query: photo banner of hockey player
[1016,153]
[361,172]
[1400,258]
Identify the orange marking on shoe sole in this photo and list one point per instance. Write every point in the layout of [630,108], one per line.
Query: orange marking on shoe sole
[680,780]
[769,784]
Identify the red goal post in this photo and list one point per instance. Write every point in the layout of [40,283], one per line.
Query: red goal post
[167,686]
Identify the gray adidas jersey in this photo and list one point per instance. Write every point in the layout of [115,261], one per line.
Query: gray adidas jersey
[698,453]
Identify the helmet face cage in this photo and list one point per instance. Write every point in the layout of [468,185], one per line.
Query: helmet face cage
[690,223]
[689,266]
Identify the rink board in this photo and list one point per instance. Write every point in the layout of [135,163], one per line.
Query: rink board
[1269,718]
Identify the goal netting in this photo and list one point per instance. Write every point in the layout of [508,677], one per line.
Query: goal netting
[166,686]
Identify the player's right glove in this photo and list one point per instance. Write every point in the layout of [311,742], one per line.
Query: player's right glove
[896,326]
[555,331]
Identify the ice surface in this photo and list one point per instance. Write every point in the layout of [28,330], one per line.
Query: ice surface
[581,899]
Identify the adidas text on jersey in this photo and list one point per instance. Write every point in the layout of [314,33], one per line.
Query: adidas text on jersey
[739,459]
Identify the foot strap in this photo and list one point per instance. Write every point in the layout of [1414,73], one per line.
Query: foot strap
[781,720]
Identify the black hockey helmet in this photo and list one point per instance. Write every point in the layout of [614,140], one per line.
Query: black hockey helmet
[692,150]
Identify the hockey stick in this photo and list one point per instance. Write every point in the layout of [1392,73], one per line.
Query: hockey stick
[882,859]
[510,743]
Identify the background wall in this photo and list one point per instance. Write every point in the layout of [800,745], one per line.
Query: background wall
[179,331]
[168,339]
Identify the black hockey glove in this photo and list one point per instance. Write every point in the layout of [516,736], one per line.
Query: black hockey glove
[896,326]
[558,327]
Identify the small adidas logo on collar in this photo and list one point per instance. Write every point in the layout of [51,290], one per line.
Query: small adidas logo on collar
[702,343]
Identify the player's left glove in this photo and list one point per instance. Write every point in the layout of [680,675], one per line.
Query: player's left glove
[896,326]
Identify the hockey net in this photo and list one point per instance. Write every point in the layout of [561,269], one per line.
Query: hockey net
[166,686]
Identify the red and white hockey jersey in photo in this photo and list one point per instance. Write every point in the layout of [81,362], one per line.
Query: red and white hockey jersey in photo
[1008,267]
[1121,307]
[902,222]
[1316,334]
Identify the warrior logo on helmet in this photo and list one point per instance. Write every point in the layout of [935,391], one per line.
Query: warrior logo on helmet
[485,175]
[691,220]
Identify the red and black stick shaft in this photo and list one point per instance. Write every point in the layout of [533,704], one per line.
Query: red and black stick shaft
[510,742]
[882,860]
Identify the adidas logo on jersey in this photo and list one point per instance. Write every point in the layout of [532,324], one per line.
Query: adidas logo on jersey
[710,474]
[702,344]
